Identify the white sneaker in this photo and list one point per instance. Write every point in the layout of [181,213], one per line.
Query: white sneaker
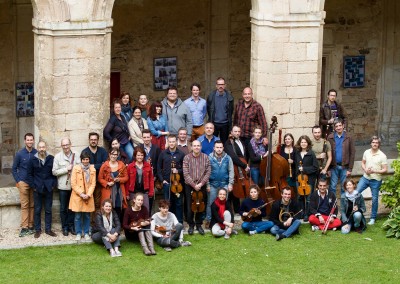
[226,237]
[314,228]
[371,222]
[78,237]
[252,232]
[118,253]
[87,237]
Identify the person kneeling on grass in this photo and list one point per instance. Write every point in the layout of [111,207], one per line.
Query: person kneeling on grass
[321,204]
[352,208]
[166,228]
[255,224]
[107,228]
[284,214]
[83,183]
[221,216]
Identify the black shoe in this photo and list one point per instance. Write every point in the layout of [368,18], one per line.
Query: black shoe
[200,229]
[31,231]
[279,237]
[305,219]
[37,234]
[51,233]
[72,231]
[191,230]
[65,233]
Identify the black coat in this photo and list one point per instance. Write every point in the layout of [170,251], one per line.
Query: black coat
[164,164]
[314,202]
[235,153]
[276,210]
[40,177]
[211,107]
[99,223]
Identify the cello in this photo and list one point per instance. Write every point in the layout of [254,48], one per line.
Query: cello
[242,181]
[274,169]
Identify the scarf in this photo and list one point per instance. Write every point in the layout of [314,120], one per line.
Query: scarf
[115,189]
[108,224]
[221,209]
[126,108]
[258,147]
[140,123]
[86,171]
[351,196]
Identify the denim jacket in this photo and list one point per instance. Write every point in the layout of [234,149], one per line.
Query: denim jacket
[222,172]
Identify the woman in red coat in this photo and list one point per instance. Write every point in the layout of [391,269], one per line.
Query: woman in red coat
[141,177]
[112,177]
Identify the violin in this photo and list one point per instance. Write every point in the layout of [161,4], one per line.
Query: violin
[197,202]
[163,230]
[304,188]
[252,213]
[176,186]
[138,223]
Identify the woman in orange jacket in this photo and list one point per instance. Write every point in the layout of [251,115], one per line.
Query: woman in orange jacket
[112,177]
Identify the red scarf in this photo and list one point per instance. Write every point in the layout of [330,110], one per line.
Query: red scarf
[221,204]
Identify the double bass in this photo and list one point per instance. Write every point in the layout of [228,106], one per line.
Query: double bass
[274,169]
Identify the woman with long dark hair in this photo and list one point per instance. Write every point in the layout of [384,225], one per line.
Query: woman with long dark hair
[158,125]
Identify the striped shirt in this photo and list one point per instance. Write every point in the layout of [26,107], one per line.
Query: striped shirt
[196,169]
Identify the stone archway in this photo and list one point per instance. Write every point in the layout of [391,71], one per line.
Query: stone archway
[72,42]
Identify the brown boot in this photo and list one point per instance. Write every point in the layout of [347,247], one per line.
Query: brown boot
[143,243]
[150,243]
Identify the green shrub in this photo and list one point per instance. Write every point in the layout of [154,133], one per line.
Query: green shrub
[392,224]
[391,185]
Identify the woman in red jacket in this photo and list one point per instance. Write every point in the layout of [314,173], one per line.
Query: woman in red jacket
[141,177]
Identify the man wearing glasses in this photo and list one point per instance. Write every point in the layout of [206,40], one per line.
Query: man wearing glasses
[64,161]
[220,109]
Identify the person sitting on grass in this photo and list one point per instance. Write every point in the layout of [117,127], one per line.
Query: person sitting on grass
[166,228]
[136,224]
[83,183]
[107,228]
[222,221]
[321,204]
[284,214]
[352,208]
[255,225]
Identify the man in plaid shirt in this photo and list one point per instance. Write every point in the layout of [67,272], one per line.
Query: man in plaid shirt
[249,113]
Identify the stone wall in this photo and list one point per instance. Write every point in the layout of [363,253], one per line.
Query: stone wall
[354,28]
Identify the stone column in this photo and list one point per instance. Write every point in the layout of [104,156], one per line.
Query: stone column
[389,92]
[286,58]
[72,47]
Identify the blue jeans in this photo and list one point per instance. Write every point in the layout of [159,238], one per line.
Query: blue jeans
[211,196]
[259,226]
[354,221]
[337,173]
[66,215]
[48,203]
[289,231]
[82,223]
[128,149]
[176,205]
[255,175]
[375,186]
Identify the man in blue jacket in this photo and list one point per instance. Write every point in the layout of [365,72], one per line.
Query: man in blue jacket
[20,174]
[41,179]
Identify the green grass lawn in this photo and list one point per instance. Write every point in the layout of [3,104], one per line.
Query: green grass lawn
[306,258]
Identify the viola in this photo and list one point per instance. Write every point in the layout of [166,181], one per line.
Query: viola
[138,223]
[163,230]
[252,213]
[304,188]
[176,186]
[197,202]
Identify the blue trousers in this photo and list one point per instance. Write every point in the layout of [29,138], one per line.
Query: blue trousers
[289,231]
[259,226]
[48,204]
[176,203]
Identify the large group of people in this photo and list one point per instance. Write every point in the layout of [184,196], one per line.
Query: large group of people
[198,153]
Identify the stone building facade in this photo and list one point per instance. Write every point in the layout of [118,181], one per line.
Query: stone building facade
[283,49]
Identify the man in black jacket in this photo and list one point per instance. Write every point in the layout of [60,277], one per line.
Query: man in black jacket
[220,109]
[284,215]
[41,179]
[170,162]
